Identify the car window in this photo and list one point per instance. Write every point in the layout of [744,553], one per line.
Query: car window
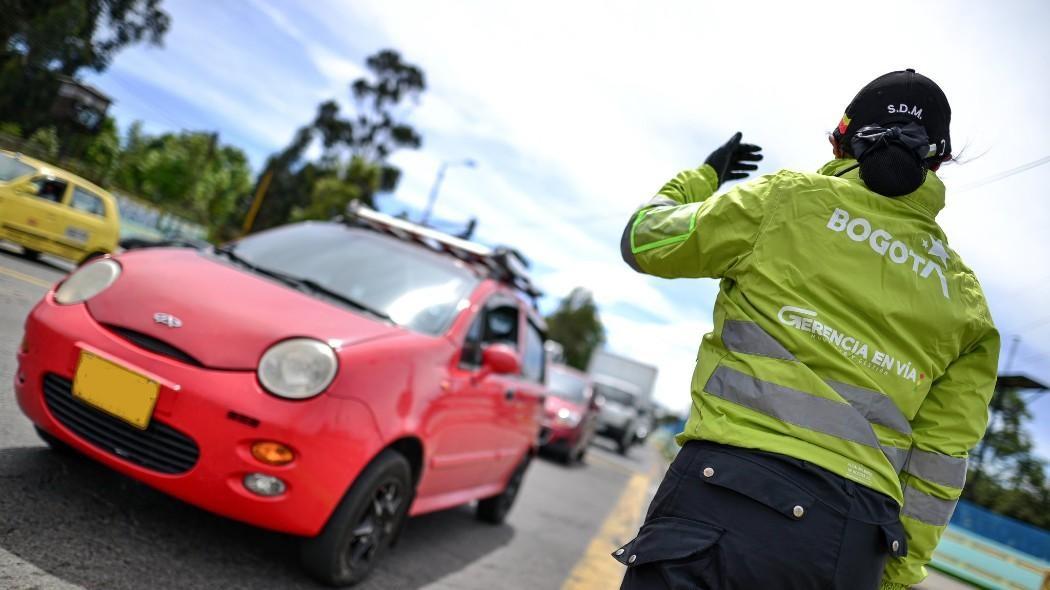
[12,168]
[534,361]
[567,385]
[49,189]
[496,324]
[614,394]
[87,202]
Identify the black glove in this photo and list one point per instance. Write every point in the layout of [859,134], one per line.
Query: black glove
[729,161]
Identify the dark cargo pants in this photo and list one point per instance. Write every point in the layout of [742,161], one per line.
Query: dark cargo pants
[732,518]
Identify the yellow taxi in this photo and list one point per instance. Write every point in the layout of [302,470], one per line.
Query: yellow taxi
[47,209]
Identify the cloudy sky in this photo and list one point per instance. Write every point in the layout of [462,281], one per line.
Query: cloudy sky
[577,112]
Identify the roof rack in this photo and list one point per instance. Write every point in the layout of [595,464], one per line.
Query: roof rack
[504,264]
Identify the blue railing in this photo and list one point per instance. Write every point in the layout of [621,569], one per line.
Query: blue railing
[1003,529]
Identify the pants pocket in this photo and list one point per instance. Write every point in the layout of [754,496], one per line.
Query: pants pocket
[671,553]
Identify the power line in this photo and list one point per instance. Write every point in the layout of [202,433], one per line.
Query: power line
[1002,175]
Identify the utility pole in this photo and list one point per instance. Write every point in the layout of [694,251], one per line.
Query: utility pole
[260,192]
[468,163]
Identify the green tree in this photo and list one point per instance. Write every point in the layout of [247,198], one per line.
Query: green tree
[334,190]
[351,147]
[43,144]
[1006,476]
[103,151]
[576,325]
[41,40]
[189,173]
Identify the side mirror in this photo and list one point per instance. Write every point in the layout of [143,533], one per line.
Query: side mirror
[499,359]
[597,401]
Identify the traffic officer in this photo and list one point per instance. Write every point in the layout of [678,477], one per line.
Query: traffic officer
[849,370]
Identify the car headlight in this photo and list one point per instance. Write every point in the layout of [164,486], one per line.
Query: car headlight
[568,417]
[298,368]
[87,281]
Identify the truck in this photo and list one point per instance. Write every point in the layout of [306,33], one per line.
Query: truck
[625,387]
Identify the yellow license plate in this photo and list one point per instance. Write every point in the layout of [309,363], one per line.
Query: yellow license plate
[115,390]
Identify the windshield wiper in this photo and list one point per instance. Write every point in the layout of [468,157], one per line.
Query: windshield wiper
[228,252]
[302,284]
[319,288]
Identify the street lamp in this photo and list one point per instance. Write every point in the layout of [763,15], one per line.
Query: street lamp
[469,163]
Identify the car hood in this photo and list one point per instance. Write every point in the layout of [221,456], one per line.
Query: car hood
[227,316]
[553,403]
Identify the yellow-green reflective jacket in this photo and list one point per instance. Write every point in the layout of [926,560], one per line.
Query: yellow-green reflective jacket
[846,332]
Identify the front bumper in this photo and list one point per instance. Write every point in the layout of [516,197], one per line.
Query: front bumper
[221,412]
[561,437]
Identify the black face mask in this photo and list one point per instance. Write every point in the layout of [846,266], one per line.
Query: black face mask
[892,160]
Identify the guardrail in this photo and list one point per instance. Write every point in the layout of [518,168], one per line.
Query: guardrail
[988,564]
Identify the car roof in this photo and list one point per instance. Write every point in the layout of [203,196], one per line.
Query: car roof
[52,170]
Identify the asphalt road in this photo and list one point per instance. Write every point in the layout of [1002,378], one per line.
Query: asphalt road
[67,519]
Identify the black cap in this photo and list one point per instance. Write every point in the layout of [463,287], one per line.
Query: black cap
[900,97]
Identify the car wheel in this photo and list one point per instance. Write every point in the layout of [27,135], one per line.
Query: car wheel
[623,444]
[90,257]
[53,441]
[494,510]
[580,454]
[364,524]
[30,254]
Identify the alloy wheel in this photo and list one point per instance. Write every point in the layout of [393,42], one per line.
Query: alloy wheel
[377,525]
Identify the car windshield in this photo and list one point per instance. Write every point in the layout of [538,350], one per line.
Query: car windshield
[614,394]
[568,386]
[12,168]
[415,288]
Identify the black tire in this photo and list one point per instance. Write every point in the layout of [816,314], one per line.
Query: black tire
[580,455]
[494,510]
[30,254]
[364,524]
[53,441]
[564,456]
[90,257]
[623,444]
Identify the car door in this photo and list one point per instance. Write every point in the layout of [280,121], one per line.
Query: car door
[39,213]
[87,221]
[530,390]
[468,427]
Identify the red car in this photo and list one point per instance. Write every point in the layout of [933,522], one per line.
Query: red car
[571,414]
[319,379]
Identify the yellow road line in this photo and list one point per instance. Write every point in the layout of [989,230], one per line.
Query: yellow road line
[597,569]
[25,278]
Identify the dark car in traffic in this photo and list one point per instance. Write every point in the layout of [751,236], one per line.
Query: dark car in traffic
[570,414]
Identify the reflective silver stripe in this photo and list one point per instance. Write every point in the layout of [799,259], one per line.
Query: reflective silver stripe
[625,238]
[750,338]
[875,406]
[937,468]
[791,405]
[897,456]
[926,508]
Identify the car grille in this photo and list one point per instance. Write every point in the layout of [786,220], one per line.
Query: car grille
[154,345]
[159,448]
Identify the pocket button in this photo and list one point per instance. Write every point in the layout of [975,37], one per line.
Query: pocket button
[896,545]
[798,511]
[619,552]
[708,472]
[632,559]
